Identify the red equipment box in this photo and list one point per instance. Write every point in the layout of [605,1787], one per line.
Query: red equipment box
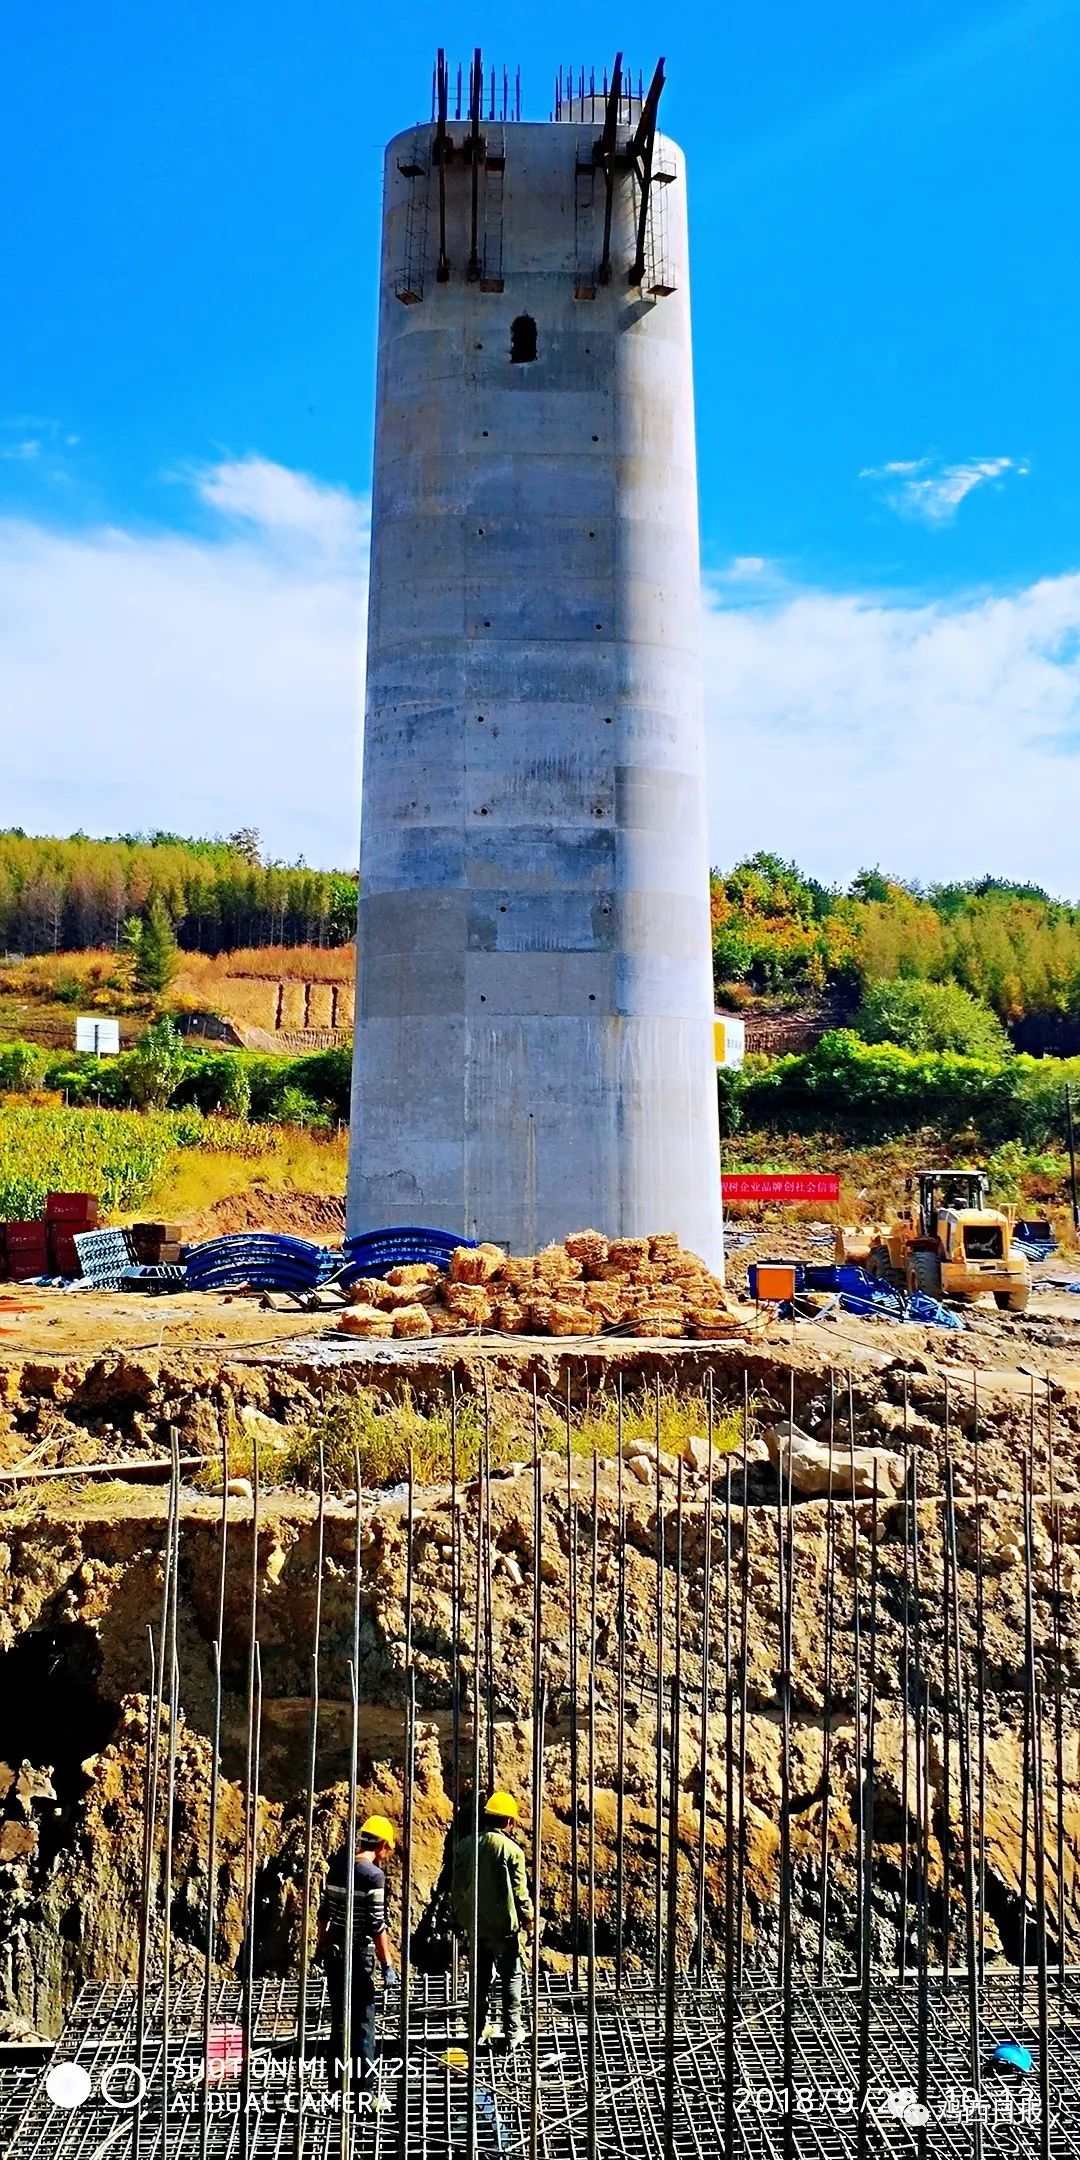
[78,1210]
[26,1255]
[24,1236]
[63,1252]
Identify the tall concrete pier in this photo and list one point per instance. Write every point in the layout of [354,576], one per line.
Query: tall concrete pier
[534,998]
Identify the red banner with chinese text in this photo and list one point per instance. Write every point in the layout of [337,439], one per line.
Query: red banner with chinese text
[780,1185]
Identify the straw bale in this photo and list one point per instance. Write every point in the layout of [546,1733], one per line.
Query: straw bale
[413,1320]
[601,1293]
[588,1246]
[364,1320]
[567,1319]
[476,1263]
[395,1299]
[607,1305]
[665,1246]
[410,1277]
[626,1253]
[508,1316]
[446,1323]
[555,1265]
[705,1325]
[538,1315]
[708,1291]
[470,1301]
[367,1290]
[515,1274]
[660,1320]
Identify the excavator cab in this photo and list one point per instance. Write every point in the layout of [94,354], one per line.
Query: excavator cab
[943,1191]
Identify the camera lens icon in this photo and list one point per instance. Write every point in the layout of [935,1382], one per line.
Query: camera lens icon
[68,2085]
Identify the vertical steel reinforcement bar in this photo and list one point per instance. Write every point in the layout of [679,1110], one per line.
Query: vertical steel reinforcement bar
[309,1811]
[215,1785]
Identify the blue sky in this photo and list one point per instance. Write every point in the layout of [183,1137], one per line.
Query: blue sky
[884,207]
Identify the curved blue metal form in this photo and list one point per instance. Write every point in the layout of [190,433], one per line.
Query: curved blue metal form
[267,1259]
[376,1251]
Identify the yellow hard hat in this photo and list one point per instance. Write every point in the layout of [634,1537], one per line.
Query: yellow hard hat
[377,1830]
[503,1803]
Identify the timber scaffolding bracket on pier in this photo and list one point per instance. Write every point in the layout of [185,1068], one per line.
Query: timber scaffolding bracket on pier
[742,2032]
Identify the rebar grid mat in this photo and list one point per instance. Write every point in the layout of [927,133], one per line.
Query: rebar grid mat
[923,2095]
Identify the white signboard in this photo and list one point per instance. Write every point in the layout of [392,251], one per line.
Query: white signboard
[729,1036]
[100,1037]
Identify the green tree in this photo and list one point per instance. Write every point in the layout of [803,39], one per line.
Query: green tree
[930,1016]
[22,1067]
[234,1090]
[151,942]
[155,1068]
[294,1107]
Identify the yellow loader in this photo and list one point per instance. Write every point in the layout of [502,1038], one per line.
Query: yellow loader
[949,1243]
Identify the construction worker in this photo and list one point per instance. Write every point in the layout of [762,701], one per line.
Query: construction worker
[490,1885]
[371,1946]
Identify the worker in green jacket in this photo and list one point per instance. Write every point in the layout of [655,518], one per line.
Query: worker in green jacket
[489,1871]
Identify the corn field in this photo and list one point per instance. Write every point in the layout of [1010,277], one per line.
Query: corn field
[118,1154]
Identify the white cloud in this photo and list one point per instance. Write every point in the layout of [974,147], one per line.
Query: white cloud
[21,452]
[744,569]
[204,682]
[939,739]
[162,679]
[935,492]
[252,491]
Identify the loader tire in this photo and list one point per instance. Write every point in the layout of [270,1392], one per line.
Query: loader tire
[924,1273]
[1012,1300]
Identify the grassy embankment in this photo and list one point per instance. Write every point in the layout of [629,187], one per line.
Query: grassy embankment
[268,988]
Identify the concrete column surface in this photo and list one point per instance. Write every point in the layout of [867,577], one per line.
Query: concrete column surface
[534,1048]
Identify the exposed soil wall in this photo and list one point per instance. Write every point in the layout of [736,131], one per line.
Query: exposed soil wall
[81,1585]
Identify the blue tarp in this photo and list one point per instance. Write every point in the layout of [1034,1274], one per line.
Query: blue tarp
[866,1296]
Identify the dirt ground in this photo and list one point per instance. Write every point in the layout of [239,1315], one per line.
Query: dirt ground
[61,1323]
[57,1323]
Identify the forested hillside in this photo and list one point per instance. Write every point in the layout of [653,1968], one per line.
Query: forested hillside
[779,932]
[71,895]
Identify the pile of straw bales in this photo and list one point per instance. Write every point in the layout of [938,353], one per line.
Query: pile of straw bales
[589,1285]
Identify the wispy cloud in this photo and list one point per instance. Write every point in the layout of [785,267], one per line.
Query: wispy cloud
[213,680]
[290,507]
[34,439]
[926,489]
[943,738]
[201,681]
